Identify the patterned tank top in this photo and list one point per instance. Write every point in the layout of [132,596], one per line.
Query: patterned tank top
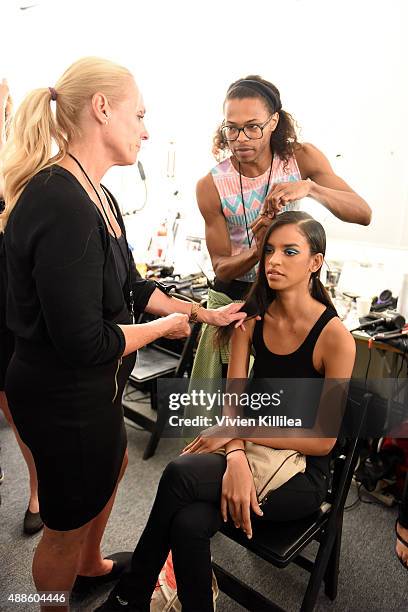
[226,180]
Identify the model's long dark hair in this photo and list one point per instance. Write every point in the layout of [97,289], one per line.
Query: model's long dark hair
[261,295]
[283,139]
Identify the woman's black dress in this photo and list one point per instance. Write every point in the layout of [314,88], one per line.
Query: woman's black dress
[67,283]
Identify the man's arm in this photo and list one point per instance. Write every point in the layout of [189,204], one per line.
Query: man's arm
[226,266]
[329,189]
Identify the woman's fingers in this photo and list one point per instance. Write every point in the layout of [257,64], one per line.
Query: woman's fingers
[191,443]
[233,508]
[254,502]
[235,306]
[193,446]
[238,316]
[224,508]
[246,519]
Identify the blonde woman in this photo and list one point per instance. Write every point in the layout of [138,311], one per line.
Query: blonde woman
[32,519]
[72,289]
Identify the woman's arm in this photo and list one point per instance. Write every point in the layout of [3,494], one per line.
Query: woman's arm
[172,326]
[162,304]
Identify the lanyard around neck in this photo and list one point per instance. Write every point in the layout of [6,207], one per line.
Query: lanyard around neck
[112,208]
[243,201]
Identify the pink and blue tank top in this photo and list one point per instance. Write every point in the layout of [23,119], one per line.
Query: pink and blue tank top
[226,180]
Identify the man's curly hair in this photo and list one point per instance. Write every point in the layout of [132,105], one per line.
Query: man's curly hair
[283,139]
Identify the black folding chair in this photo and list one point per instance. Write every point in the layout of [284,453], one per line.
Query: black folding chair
[161,359]
[282,543]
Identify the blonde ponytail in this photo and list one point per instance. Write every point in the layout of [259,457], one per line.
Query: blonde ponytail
[29,148]
[36,129]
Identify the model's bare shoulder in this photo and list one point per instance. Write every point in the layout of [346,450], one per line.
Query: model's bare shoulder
[338,349]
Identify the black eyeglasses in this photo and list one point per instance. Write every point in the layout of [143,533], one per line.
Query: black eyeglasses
[253,131]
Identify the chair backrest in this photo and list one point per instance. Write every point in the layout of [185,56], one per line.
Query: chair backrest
[345,454]
[185,363]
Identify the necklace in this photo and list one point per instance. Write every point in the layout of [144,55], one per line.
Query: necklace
[112,208]
[250,241]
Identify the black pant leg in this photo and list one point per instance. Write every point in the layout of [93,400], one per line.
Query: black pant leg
[192,529]
[298,497]
[185,481]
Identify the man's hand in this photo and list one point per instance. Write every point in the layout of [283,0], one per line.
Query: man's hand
[259,228]
[284,193]
[238,493]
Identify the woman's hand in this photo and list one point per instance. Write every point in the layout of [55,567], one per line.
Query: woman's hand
[175,326]
[224,315]
[238,493]
[208,441]
[284,193]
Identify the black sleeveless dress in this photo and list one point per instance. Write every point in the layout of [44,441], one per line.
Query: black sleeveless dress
[298,364]
[65,302]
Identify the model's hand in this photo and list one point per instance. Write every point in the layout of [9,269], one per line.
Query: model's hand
[225,315]
[284,193]
[208,441]
[4,94]
[238,493]
[175,326]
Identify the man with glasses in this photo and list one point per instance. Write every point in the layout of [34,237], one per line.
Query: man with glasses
[267,171]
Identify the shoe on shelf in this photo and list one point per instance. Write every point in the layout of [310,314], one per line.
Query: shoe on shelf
[32,522]
[84,584]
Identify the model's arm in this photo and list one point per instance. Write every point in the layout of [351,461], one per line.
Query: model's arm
[320,183]
[226,266]
[238,494]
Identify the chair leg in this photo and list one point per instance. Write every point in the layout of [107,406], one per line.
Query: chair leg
[162,416]
[331,577]
[320,566]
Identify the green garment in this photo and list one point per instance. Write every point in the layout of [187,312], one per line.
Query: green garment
[207,368]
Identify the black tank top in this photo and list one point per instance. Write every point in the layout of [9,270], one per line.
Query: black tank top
[298,364]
